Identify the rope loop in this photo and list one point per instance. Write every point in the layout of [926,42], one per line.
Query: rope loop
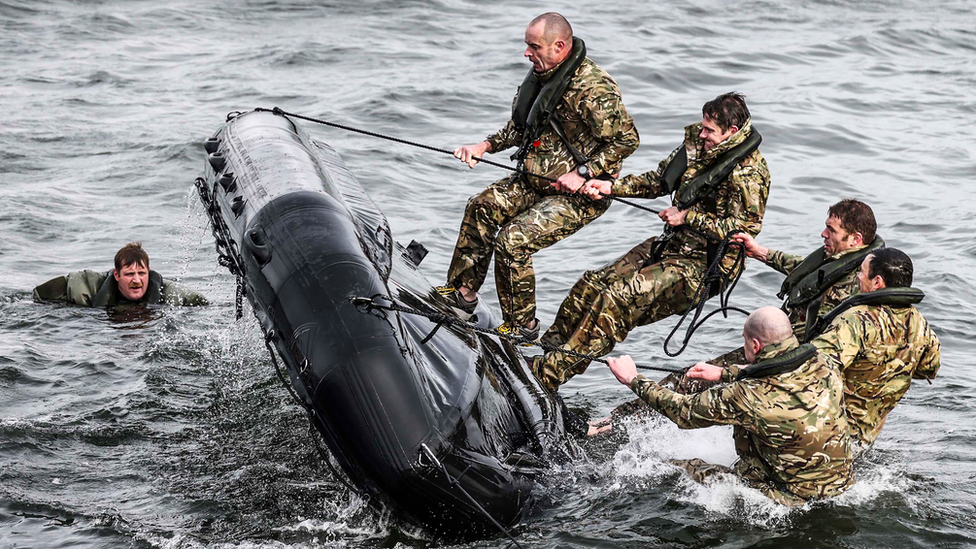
[713,273]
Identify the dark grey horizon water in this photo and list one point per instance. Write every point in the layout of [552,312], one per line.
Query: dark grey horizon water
[170,430]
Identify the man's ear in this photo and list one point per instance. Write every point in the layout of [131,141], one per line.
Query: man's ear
[733,128]
[879,283]
[756,346]
[857,238]
[116,273]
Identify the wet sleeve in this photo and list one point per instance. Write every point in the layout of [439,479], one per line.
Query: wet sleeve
[782,261]
[82,285]
[747,205]
[176,294]
[645,185]
[722,405]
[842,340]
[931,360]
[504,138]
[730,373]
[55,289]
[608,121]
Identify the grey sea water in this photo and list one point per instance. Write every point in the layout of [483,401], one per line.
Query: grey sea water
[170,430]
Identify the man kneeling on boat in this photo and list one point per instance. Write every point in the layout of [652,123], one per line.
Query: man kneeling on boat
[790,429]
[130,282]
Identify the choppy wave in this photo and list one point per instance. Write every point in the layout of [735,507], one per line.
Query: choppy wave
[171,429]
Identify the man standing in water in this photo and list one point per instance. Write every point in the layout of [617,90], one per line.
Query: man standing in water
[130,282]
[720,183]
[814,284]
[790,429]
[568,122]
[880,341]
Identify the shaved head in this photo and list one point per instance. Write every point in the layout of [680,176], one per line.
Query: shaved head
[554,27]
[767,324]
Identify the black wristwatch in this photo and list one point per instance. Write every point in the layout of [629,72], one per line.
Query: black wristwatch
[583,171]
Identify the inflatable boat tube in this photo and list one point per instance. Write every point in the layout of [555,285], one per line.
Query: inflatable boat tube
[451,433]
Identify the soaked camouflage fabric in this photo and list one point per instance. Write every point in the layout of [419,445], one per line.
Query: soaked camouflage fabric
[701,471]
[606,304]
[790,430]
[839,291]
[518,216]
[880,349]
[731,361]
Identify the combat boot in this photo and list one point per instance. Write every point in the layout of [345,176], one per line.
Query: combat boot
[451,296]
[520,333]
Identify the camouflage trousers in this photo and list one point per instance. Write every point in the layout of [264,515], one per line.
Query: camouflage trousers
[700,471]
[513,220]
[606,304]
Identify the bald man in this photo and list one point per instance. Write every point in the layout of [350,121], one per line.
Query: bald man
[790,429]
[569,123]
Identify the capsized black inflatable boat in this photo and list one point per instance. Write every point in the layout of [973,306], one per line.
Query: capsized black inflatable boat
[450,432]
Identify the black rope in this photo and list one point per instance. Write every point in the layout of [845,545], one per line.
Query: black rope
[239,298]
[455,483]
[365,304]
[279,111]
[727,282]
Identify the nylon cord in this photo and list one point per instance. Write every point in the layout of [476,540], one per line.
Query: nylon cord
[279,111]
[442,318]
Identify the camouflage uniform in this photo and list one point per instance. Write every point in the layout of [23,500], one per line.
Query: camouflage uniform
[520,215]
[784,263]
[880,350]
[606,304]
[79,288]
[839,291]
[791,433]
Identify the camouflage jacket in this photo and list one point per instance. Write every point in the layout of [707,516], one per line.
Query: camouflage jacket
[594,120]
[880,350]
[839,291]
[741,200]
[79,288]
[790,429]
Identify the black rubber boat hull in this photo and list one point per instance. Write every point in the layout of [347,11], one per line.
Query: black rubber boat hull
[399,417]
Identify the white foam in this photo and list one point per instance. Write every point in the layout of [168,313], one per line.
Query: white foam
[655,442]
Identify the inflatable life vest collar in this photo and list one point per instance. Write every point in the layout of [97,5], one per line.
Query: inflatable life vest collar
[816,273]
[892,297]
[705,182]
[108,294]
[786,362]
[537,101]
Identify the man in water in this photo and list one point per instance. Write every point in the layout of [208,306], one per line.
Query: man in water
[130,282]
[719,182]
[882,344]
[878,339]
[814,284]
[790,430]
[569,122]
